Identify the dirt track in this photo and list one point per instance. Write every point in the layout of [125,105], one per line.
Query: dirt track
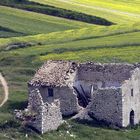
[5,88]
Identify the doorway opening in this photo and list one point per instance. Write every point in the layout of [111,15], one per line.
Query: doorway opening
[132,115]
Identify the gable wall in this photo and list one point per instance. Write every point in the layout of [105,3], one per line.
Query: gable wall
[131,102]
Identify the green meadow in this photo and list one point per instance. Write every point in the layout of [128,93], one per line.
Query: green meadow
[28,39]
[20,22]
[120,11]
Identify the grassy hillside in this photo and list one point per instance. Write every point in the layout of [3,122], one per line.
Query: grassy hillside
[39,37]
[73,35]
[119,11]
[111,44]
[55,11]
[6,32]
[19,22]
[122,5]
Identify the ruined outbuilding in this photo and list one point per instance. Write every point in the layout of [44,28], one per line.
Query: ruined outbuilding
[108,92]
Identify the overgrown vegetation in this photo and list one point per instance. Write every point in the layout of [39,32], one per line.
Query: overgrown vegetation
[51,10]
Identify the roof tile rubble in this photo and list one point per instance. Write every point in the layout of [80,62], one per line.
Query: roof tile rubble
[54,73]
[57,73]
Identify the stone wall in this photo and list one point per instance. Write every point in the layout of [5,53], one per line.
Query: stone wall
[51,116]
[108,74]
[48,116]
[68,100]
[102,75]
[131,101]
[106,105]
[35,104]
[115,93]
[66,95]
[109,86]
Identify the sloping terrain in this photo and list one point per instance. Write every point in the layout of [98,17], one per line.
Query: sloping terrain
[117,42]
[36,37]
[116,11]
[19,22]
[19,64]
[55,11]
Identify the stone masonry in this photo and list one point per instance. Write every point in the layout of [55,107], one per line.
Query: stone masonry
[106,105]
[48,116]
[108,92]
[131,98]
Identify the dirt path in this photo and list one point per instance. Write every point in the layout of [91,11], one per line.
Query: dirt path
[102,9]
[5,88]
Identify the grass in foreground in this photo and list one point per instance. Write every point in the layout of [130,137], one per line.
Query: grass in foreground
[70,131]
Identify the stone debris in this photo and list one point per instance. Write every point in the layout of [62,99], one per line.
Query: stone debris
[83,115]
[18,114]
[54,73]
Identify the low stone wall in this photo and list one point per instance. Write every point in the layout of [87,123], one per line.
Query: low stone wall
[48,116]
[106,105]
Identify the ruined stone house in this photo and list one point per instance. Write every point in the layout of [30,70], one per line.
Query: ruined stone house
[109,92]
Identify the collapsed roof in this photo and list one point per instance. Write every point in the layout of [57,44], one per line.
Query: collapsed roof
[54,73]
[58,73]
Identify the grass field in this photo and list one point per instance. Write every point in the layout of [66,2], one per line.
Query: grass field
[56,38]
[113,46]
[29,23]
[120,11]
